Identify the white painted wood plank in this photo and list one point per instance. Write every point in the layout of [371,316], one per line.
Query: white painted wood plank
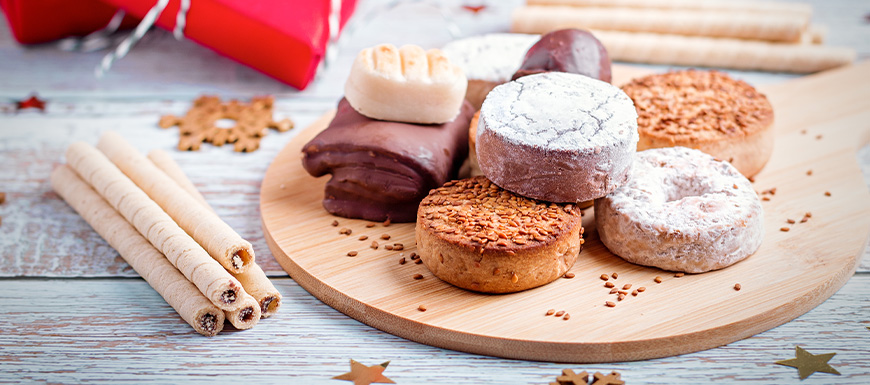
[121,330]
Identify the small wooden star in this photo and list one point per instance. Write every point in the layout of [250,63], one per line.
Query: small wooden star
[32,102]
[568,377]
[611,379]
[475,9]
[808,363]
[365,375]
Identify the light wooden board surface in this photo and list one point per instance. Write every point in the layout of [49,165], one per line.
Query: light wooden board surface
[375,289]
[136,337]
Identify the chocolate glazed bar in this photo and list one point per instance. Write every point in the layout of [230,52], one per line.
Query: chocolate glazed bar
[382,170]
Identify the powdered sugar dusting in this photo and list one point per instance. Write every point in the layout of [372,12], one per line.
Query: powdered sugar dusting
[681,210]
[560,112]
[493,57]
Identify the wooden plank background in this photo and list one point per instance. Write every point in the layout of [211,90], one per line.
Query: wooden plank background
[74,311]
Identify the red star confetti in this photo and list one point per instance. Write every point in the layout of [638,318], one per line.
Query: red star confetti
[808,363]
[32,102]
[365,375]
[475,9]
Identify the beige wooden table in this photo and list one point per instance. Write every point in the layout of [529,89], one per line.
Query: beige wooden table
[74,312]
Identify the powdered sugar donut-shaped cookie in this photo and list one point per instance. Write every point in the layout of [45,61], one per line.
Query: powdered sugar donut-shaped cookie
[681,210]
[557,137]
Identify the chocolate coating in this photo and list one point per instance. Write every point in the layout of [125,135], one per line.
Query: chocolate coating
[567,50]
[382,170]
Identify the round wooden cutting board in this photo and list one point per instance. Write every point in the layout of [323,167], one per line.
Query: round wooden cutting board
[820,122]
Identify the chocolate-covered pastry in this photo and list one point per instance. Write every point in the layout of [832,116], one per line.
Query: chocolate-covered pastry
[567,50]
[380,169]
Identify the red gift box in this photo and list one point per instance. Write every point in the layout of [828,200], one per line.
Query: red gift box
[285,39]
[41,21]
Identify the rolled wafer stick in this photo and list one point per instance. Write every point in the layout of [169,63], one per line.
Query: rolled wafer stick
[707,5]
[246,317]
[183,296]
[221,288]
[741,25]
[164,162]
[254,280]
[219,239]
[727,53]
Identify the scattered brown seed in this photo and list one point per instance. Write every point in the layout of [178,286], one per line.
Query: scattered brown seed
[566,317]
[735,186]
[609,304]
[514,278]
[569,275]
[387,223]
[765,199]
[784,229]
[418,276]
[560,313]
[398,246]
[385,237]
[678,275]
[614,275]
[827,193]
[374,245]
[614,291]
[370,225]
[634,292]
[809,172]
[402,261]
[604,277]
[609,284]
[641,289]
[737,286]
[751,179]
[658,280]
[415,256]
[551,311]
[620,297]
[627,286]
[334,223]
[388,247]
[345,231]
[623,292]
[790,221]
[421,308]
[819,137]
[352,253]
[804,219]
[418,261]
[808,214]
[363,237]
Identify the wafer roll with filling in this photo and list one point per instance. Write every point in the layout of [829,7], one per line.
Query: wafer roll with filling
[728,53]
[706,5]
[165,163]
[183,296]
[740,25]
[247,316]
[254,280]
[219,239]
[212,280]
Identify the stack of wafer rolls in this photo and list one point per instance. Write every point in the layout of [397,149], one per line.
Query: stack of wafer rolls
[767,36]
[154,217]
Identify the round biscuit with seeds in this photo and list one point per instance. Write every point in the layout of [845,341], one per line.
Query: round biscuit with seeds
[405,84]
[477,236]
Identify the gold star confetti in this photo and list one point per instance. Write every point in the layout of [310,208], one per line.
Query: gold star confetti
[808,363]
[365,375]
[568,377]
[611,379]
